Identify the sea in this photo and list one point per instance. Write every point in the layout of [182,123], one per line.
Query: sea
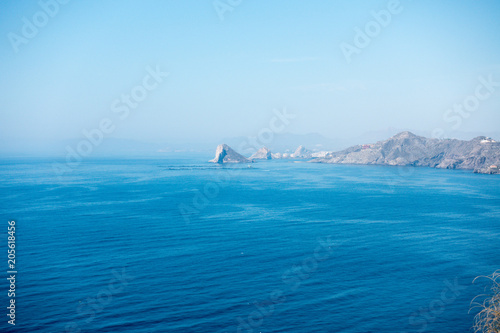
[177,244]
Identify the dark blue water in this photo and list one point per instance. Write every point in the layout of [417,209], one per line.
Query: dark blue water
[180,245]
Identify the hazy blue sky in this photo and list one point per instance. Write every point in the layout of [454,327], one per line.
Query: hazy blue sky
[226,76]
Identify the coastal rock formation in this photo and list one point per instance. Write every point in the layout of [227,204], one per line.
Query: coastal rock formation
[262,154]
[301,152]
[276,156]
[491,170]
[320,154]
[408,149]
[225,154]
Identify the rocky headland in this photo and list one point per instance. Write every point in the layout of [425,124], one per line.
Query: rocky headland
[408,149]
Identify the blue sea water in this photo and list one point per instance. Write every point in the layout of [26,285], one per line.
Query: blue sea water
[181,245]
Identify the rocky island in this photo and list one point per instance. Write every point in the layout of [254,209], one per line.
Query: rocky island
[301,152]
[262,154]
[225,154]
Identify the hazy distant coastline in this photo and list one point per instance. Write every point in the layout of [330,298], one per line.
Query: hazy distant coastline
[481,154]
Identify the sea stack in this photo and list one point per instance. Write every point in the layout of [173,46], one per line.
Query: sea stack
[301,152]
[226,154]
[276,156]
[262,154]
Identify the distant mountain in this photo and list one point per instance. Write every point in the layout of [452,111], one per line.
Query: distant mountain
[284,142]
[225,154]
[481,154]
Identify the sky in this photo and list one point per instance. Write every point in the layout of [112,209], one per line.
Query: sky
[201,70]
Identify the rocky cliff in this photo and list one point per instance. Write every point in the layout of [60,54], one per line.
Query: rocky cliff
[409,149]
[301,152]
[262,154]
[225,154]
